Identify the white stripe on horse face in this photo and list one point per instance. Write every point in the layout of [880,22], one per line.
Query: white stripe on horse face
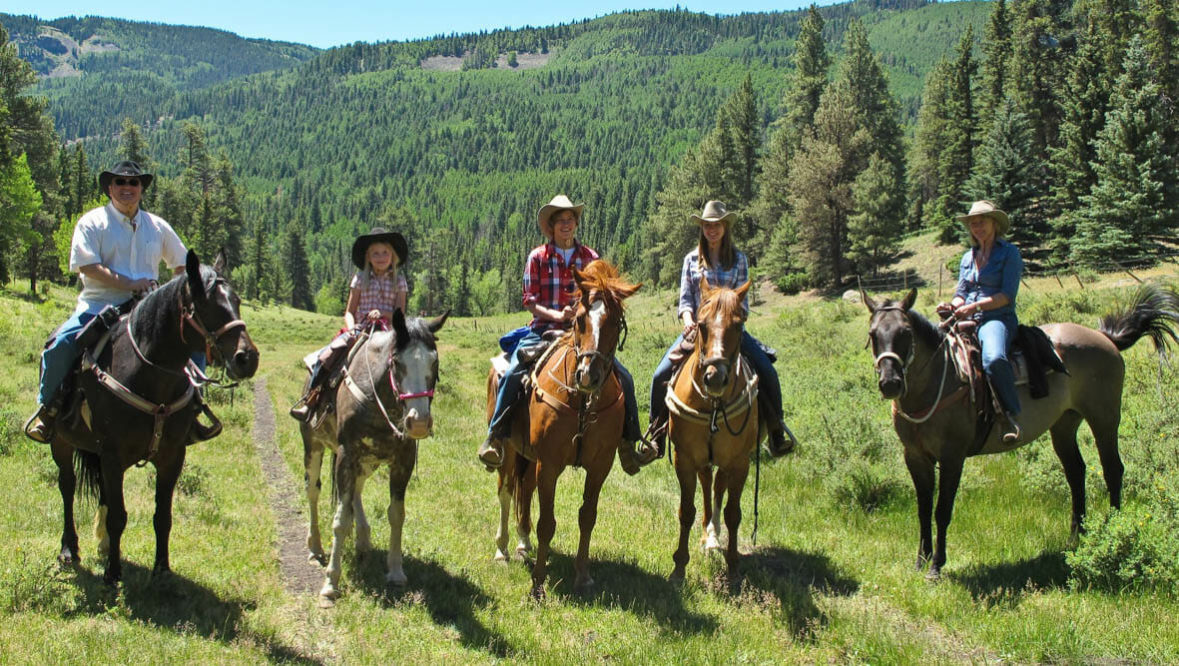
[418,361]
[597,312]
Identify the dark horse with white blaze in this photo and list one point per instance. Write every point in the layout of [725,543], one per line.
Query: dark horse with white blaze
[939,429]
[140,404]
[382,409]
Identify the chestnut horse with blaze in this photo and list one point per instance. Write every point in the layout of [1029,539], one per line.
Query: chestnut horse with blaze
[574,417]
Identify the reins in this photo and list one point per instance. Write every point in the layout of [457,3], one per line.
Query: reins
[938,403]
[401,397]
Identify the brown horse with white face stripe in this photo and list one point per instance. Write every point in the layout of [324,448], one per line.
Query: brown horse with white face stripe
[382,410]
[937,425]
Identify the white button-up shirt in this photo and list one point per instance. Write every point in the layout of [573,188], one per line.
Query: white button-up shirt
[132,247]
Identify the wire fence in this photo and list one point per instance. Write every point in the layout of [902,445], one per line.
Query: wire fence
[1063,272]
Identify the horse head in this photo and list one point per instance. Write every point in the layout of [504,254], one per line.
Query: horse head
[891,335]
[599,323]
[414,370]
[212,311]
[720,324]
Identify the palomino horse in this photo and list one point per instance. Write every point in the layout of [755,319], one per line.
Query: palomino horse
[382,410]
[139,404]
[713,422]
[574,418]
[939,428]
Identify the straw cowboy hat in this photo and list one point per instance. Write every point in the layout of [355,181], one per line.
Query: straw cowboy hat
[714,211]
[559,203]
[379,235]
[986,208]
[127,169]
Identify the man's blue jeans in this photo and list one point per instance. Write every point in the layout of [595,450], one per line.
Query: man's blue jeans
[59,357]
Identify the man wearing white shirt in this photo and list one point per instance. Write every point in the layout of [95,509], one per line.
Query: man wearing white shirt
[117,250]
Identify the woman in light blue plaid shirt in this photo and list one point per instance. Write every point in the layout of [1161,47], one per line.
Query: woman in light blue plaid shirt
[715,257]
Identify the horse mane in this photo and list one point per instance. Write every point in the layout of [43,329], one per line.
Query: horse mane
[722,301]
[926,331]
[603,276]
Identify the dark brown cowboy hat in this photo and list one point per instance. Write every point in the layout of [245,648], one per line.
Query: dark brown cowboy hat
[379,235]
[126,168]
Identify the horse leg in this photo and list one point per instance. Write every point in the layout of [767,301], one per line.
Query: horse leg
[364,531]
[505,487]
[921,470]
[526,477]
[735,484]
[546,526]
[947,489]
[587,517]
[67,482]
[711,496]
[167,474]
[345,480]
[687,513]
[312,467]
[1105,435]
[1064,442]
[116,514]
[398,482]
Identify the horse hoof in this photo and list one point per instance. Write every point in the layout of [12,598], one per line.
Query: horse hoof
[326,602]
[676,578]
[934,575]
[110,580]
[68,559]
[396,579]
[584,586]
[318,558]
[329,592]
[711,544]
[501,556]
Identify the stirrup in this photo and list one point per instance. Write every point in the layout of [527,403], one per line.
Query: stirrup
[653,439]
[1015,434]
[40,425]
[489,455]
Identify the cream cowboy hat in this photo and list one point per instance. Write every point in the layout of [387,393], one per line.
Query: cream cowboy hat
[714,211]
[986,208]
[559,203]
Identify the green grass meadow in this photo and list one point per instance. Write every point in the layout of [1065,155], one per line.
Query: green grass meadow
[831,577]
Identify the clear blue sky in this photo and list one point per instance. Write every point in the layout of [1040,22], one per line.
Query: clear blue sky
[329,23]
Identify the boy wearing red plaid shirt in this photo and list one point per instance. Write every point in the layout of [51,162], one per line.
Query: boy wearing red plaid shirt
[548,294]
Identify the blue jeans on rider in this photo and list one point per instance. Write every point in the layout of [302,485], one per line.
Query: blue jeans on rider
[59,357]
[512,383]
[769,387]
[995,337]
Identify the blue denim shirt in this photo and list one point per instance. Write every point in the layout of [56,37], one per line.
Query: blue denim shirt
[1001,274]
[693,270]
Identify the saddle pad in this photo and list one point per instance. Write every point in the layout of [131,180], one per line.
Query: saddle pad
[500,363]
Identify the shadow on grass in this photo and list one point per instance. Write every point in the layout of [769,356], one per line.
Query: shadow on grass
[627,586]
[177,603]
[449,599]
[793,577]
[1006,583]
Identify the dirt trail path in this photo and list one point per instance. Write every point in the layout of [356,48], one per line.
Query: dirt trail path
[298,575]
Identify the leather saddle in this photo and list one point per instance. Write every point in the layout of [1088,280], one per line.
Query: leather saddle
[1032,358]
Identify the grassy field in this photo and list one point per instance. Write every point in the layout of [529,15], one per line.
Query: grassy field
[830,578]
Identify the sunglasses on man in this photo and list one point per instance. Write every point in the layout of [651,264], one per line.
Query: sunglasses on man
[123,182]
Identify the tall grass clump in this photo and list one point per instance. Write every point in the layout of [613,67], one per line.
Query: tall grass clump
[1129,550]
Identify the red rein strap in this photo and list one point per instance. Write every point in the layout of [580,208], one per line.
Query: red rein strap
[429,393]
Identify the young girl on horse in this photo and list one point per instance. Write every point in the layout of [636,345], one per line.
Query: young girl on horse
[548,292]
[724,266]
[376,290]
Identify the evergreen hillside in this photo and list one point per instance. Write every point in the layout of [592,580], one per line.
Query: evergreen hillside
[87,64]
[364,134]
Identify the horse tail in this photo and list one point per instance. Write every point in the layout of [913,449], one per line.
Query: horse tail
[332,480]
[1154,313]
[88,470]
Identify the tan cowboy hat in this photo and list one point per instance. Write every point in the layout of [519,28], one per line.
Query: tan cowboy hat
[559,203]
[714,211]
[986,208]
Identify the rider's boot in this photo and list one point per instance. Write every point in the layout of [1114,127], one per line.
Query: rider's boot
[781,440]
[305,406]
[1012,433]
[491,452]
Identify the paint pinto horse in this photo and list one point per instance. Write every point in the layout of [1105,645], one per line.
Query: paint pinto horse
[713,422]
[382,410]
[574,417]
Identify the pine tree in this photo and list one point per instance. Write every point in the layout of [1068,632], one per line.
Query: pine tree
[1038,68]
[929,144]
[229,211]
[872,239]
[297,270]
[84,184]
[132,146]
[996,46]
[957,158]
[19,204]
[1005,172]
[1126,211]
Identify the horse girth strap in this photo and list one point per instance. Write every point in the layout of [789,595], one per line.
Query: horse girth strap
[160,412]
[554,402]
[735,407]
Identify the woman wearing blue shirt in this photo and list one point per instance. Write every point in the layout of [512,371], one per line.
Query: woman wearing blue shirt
[724,266]
[988,281]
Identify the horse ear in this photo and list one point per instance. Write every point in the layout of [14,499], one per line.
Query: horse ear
[743,289]
[220,263]
[192,267]
[628,290]
[400,329]
[864,297]
[435,324]
[910,299]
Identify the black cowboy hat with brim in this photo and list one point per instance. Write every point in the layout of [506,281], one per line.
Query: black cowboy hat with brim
[379,235]
[127,169]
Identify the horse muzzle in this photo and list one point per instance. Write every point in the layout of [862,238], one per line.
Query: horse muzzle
[419,425]
[716,377]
